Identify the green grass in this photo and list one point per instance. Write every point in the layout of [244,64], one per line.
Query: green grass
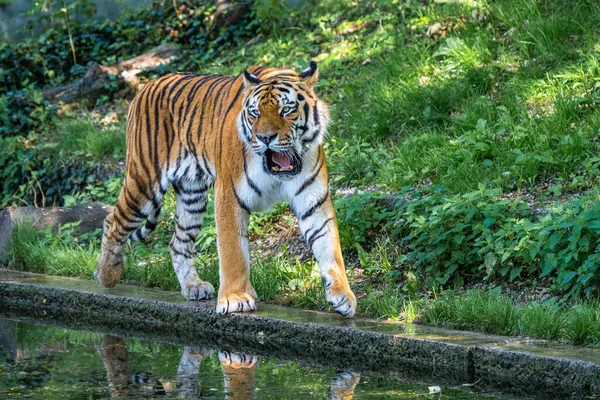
[65,254]
[499,314]
[91,138]
[292,283]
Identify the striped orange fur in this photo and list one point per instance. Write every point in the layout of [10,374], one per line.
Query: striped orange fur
[258,139]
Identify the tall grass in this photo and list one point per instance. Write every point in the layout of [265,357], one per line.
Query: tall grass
[91,138]
[497,314]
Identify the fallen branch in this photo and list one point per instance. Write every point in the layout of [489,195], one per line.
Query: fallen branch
[95,82]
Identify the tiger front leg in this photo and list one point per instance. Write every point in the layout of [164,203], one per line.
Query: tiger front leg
[110,264]
[192,197]
[236,293]
[318,225]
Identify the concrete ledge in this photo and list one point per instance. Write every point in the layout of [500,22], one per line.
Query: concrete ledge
[405,351]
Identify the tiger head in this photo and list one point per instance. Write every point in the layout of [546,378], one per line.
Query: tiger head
[282,119]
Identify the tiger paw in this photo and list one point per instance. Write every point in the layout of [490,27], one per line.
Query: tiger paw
[109,270]
[198,290]
[235,302]
[342,300]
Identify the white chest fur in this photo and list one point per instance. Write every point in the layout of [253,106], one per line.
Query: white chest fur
[260,190]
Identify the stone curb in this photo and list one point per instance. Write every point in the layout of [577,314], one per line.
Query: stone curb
[318,344]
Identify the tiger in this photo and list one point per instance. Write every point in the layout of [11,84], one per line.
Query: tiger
[239,374]
[257,139]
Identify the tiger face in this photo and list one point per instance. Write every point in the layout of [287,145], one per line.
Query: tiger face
[282,120]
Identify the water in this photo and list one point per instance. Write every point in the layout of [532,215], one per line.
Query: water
[41,362]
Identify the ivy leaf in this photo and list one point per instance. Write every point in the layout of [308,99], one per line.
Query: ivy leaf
[489,221]
[515,272]
[568,277]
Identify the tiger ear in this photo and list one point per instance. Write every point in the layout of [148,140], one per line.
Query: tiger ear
[310,75]
[250,80]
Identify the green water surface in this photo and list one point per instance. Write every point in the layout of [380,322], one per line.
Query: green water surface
[41,362]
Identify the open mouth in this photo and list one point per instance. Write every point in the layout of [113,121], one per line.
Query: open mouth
[281,163]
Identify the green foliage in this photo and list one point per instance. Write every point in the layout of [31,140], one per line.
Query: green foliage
[474,311]
[359,216]
[47,60]
[23,109]
[452,237]
[60,254]
[36,174]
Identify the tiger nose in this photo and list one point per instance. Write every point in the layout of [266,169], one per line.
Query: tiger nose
[266,138]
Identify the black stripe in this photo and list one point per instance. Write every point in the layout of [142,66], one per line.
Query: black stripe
[188,228]
[202,114]
[248,180]
[315,234]
[314,208]
[247,131]
[187,240]
[140,131]
[201,210]
[227,111]
[155,136]
[193,200]
[137,236]
[283,75]
[170,139]
[125,215]
[314,239]
[310,180]
[306,111]
[314,136]
[138,183]
[186,81]
[206,165]
[150,225]
[121,224]
[240,202]
[132,206]
[185,254]
[201,189]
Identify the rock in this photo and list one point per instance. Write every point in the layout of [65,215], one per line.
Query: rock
[91,216]
[96,80]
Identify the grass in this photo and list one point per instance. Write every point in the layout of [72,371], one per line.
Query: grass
[297,284]
[497,314]
[91,138]
[66,254]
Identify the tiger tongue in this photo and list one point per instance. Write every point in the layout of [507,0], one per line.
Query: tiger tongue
[283,160]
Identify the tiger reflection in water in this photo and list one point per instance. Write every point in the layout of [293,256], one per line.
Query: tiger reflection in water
[239,374]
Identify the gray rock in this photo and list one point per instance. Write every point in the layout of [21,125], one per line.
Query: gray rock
[91,216]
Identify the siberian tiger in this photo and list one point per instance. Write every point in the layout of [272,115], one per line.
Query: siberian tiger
[258,138]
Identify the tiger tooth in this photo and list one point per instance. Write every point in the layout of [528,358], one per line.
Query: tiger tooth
[275,168]
[291,167]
